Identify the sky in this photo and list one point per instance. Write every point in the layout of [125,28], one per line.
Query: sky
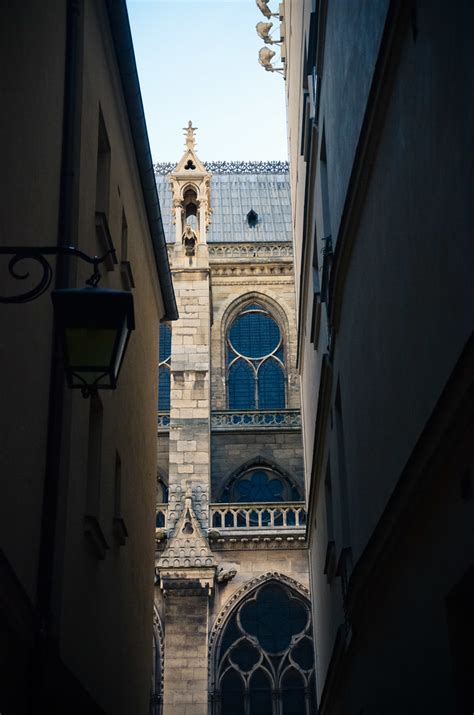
[198,60]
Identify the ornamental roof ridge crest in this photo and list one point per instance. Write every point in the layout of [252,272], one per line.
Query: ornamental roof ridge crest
[230,167]
[187,546]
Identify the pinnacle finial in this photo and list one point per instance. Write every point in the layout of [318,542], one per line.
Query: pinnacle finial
[190,138]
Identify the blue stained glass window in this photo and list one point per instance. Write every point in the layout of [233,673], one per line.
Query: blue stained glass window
[293,693]
[233,694]
[273,606]
[164,389]
[271,386]
[165,342]
[259,488]
[256,336]
[265,661]
[245,655]
[260,694]
[241,387]
[164,368]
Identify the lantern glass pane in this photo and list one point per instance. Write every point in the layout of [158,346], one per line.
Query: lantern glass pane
[122,341]
[89,348]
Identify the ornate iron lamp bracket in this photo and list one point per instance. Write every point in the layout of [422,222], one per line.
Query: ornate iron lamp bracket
[38,254]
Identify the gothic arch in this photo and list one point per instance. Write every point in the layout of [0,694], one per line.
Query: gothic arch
[235,305]
[254,463]
[227,638]
[231,312]
[158,663]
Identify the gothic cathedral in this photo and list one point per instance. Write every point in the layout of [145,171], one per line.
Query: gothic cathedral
[232,623]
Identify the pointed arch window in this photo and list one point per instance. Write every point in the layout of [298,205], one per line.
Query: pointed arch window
[164,364]
[264,659]
[260,484]
[256,376]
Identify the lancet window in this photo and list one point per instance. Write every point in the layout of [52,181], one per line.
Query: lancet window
[164,368]
[256,376]
[265,661]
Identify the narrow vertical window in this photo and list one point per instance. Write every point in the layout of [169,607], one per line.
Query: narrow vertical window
[118,486]
[164,366]
[330,561]
[124,238]
[103,169]
[329,504]
[94,457]
[323,168]
[341,462]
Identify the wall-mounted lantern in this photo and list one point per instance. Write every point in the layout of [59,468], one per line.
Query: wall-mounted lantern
[93,324]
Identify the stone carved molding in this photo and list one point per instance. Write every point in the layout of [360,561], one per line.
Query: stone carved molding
[231,167]
[279,515]
[163,420]
[252,540]
[230,419]
[254,271]
[176,503]
[239,595]
[250,250]
[187,545]
[158,667]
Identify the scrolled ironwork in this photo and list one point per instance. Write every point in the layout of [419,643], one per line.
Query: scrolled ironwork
[41,287]
[38,254]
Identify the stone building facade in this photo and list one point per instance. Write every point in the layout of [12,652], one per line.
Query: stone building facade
[232,617]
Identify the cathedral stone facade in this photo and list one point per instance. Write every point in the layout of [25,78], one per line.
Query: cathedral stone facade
[232,630]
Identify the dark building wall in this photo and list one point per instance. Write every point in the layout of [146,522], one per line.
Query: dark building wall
[387,381]
[408,298]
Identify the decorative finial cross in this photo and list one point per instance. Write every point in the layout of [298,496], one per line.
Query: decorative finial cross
[190,138]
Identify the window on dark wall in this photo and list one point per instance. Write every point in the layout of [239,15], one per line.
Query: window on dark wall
[260,485]
[255,361]
[164,377]
[103,169]
[265,660]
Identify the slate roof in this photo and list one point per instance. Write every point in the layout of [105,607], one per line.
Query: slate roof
[233,195]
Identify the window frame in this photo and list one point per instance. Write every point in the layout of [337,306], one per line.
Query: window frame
[255,364]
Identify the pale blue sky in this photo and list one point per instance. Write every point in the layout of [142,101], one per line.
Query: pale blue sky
[198,59]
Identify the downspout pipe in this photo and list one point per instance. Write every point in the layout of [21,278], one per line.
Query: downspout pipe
[46,652]
[122,38]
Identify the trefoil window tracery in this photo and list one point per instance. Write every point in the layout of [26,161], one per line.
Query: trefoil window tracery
[265,661]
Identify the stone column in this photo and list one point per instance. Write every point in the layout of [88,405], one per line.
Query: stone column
[185,689]
[189,445]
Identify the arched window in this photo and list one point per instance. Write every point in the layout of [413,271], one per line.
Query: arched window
[255,361]
[164,368]
[258,485]
[265,662]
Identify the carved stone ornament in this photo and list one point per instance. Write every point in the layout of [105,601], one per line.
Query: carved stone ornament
[225,574]
[187,546]
[189,240]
